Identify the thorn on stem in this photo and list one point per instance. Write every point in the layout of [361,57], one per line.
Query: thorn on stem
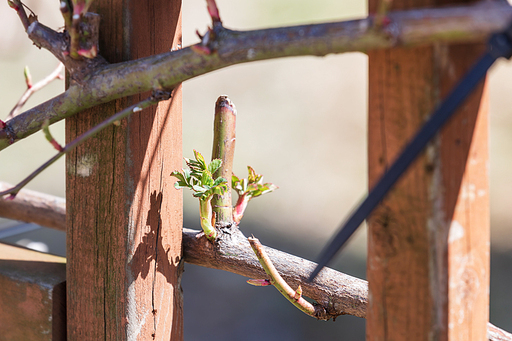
[203,47]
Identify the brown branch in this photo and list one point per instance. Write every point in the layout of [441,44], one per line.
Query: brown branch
[58,43]
[407,28]
[34,207]
[339,293]
[343,294]
[18,7]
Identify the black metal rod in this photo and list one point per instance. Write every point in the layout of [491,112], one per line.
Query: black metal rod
[443,113]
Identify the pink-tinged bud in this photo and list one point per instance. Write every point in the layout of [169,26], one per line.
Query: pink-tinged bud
[2,124]
[11,196]
[213,10]
[13,5]
[201,49]
[79,8]
[259,282]
[28,77]
[91,53]
[386,21]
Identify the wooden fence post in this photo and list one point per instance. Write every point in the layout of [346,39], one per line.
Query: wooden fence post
[428,253]
[124,218]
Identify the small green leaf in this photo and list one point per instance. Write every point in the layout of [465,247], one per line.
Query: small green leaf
[206,178]
[198,188]
[214,165]
[177,185]
[219,181]
[178,175]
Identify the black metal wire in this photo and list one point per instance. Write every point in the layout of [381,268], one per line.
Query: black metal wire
[499,46]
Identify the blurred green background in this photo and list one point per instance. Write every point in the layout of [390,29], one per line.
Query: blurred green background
[301,123]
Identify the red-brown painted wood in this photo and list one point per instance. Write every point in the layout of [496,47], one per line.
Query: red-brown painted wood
[428,248]
[124,217]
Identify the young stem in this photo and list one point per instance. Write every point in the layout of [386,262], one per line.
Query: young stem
[224,149]
[206,214]
[238,210]
[294,296]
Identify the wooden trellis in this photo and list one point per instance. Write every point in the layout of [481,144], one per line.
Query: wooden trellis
[428,262]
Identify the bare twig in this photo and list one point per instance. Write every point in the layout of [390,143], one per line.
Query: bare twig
[153,99]
[342,293]
[106,83]
[34,207]
[224,149]
[18,7]
[294,296]
[56,74]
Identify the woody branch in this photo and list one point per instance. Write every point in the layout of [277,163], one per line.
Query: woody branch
[228,47]
[344,294]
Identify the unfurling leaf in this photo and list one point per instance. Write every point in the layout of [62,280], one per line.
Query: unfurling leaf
[200,159]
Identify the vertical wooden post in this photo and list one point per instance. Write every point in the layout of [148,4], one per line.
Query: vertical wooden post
[428,251]
[124,217]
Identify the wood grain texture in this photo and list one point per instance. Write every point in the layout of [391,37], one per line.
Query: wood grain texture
[123,215]
[428,257]
[31,297]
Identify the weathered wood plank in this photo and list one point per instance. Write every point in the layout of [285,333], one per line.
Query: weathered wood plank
[124,216]
[31,295]
[428,261]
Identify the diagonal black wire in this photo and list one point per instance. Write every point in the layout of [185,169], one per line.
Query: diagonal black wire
[499,46]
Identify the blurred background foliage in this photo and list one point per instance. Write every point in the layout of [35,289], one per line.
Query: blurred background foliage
[301,123]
